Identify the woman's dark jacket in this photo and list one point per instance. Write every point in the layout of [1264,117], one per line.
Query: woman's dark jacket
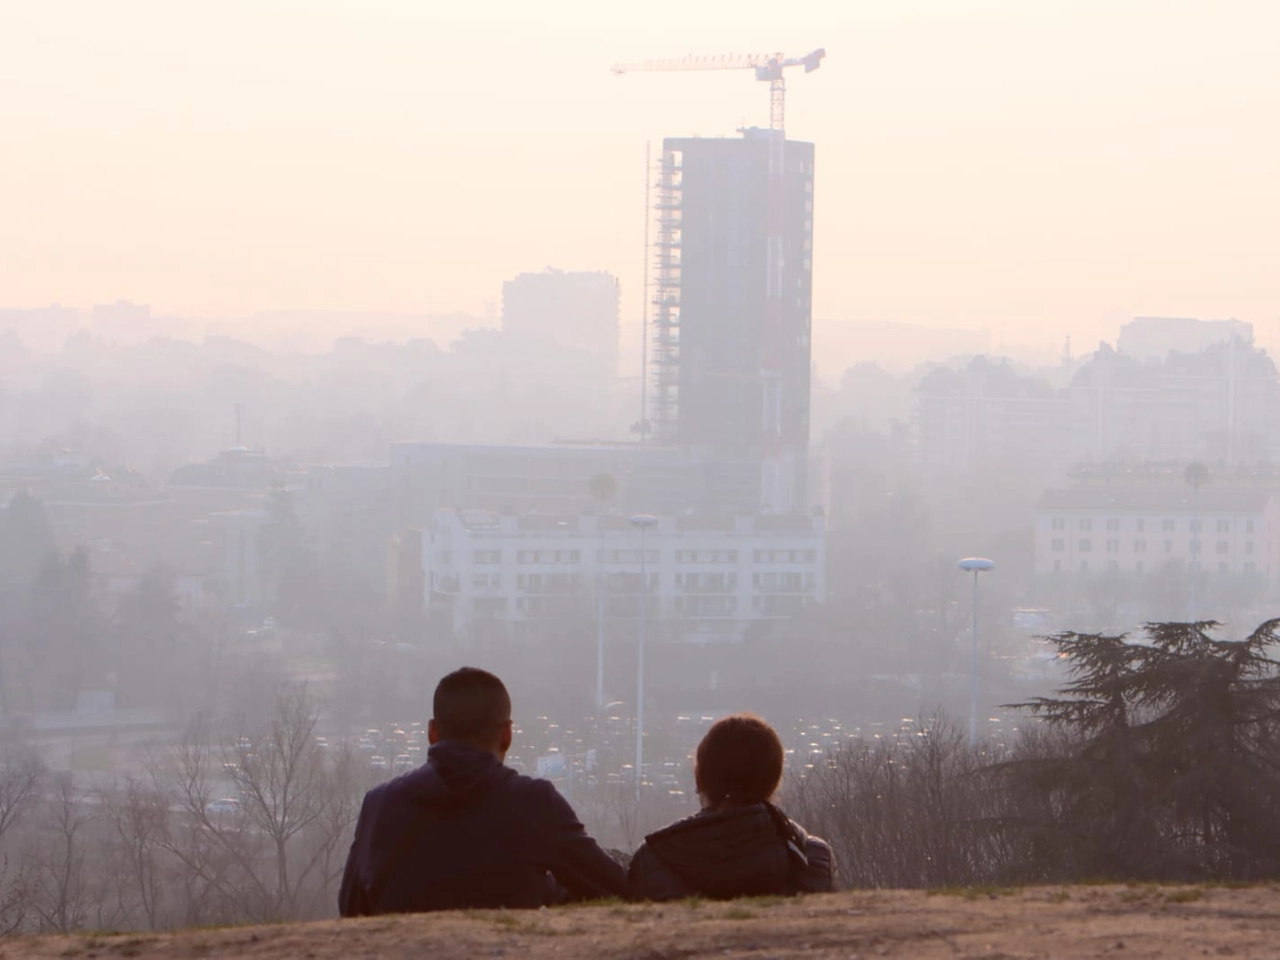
[738,851]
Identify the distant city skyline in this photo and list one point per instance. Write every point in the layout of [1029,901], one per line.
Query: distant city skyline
[1034,170]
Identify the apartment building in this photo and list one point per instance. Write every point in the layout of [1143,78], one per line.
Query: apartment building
[1101,530]
[706,578]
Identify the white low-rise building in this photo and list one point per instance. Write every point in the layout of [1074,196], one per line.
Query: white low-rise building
[1141,530]
[708,579]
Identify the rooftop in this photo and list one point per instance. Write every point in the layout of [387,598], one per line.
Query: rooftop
[1156,500]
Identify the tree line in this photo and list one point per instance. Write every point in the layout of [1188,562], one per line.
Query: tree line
[1159,759]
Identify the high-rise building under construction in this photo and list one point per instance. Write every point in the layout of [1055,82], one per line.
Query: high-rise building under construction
[731,304]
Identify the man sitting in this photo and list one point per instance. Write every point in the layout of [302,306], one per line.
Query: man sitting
[464,831]
[740,844]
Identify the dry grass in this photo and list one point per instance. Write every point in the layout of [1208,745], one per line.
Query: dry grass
[1067,922]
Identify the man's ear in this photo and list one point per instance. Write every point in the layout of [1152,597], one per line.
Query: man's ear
[507,736]
[433,735]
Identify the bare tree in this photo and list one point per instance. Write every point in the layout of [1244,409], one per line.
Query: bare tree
[281,779]
[60,882]
[20,771]
[138,816]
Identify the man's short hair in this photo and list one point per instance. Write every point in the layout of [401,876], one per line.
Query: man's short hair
[739,760]
[470,705]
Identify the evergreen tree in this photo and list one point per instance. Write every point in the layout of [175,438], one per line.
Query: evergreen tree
[26,543]
[1171,764]
[145,634]
[64,634]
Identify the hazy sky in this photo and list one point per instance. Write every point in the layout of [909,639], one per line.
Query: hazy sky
[1032,166]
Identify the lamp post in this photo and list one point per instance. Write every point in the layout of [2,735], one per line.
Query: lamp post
[642,521]
[976,565]
[1197,475]
[603,487]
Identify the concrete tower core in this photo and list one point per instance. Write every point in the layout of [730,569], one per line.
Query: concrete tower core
[732,305]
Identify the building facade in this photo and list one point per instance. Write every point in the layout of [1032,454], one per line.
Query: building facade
[985,413]
[1117,530]
[556,479]
[572,310]
[706,579]
[730,335]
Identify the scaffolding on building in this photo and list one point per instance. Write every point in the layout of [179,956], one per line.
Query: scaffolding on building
[664,340]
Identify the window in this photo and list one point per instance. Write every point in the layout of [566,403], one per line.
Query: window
[1084,566]
[1085,525]
[1167,526]
[1250,567]
[1059,523]
[1057,566]
[1113,525]
[1086,546]
[1139,546]
[1140,525]
[1113,566]
[1248,526]
[1168,546]
[1248,547]
[486,556]
[1113,546]
[1224,546]
[1195,546]
[1057,546]
[1195,526]
[1224,526]
[1137,567]
[1224,567]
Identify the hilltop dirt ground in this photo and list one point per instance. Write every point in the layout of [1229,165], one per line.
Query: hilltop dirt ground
[1082,921]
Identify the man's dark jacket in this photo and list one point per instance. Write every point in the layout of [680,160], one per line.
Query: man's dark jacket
[464,831]
[738,851]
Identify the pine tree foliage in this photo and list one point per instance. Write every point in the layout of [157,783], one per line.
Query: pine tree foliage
[1166,763]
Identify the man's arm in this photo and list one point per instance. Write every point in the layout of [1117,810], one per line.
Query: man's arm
[353,899]
[577,862]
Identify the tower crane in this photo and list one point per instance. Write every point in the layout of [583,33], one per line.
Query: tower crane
[768,68]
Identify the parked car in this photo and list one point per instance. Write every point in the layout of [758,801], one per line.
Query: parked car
[226,807]
[377,762]
[404,762]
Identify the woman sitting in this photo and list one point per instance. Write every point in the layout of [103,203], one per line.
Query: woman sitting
[739,844]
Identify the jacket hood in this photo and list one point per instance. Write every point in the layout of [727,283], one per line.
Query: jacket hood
[455,773]
[734,852]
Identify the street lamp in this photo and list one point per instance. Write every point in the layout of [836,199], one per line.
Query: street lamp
[977,565]
[642,521]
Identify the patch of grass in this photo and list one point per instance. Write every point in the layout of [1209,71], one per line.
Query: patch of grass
[693,903]
[970,893]
[766,901]
[1135,894]
[602,902]
[1059,896]
[739,913]
[1189,895]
